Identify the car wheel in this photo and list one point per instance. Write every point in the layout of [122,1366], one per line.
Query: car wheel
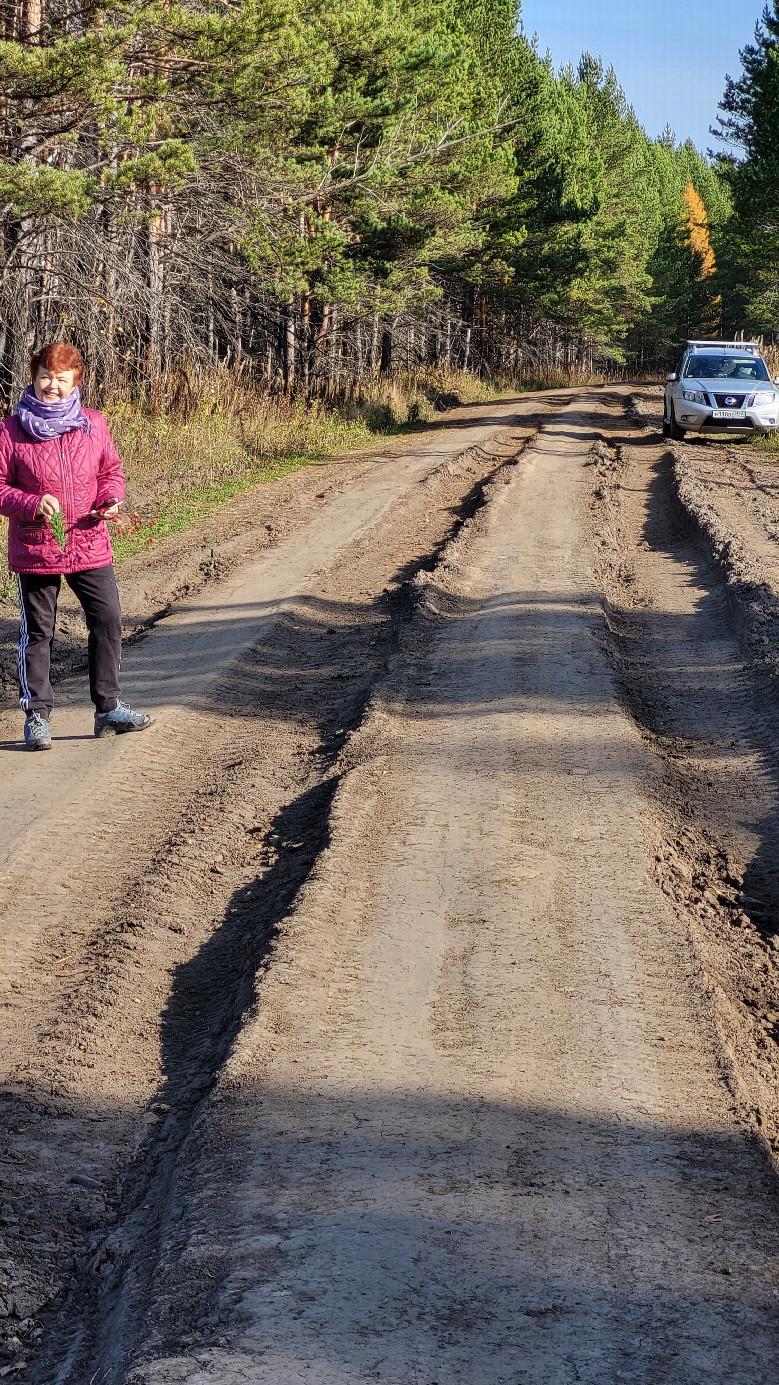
[674,431]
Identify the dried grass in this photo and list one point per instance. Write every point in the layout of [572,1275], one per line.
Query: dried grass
[166,455]
[208,435]
[211,435]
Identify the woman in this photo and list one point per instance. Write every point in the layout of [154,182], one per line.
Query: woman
[57,459]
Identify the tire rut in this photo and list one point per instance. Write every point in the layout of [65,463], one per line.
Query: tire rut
[241,841]
[708,713]
[476,1128]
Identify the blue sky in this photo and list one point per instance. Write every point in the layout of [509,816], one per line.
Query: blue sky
[670,56]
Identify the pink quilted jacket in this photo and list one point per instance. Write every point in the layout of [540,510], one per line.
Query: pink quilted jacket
[82,470]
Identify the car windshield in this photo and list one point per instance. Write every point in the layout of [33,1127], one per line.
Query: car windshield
[711,367]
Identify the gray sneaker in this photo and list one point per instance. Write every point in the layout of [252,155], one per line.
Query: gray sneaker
[121,719]
[36,732]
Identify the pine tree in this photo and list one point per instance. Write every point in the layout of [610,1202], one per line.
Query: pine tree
[315,189]
[750,122]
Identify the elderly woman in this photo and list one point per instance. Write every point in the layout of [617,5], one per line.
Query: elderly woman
[58,459]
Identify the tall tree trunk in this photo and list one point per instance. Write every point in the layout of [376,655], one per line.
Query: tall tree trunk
[32,19]
[237,326]
[305,339]
[155,238]
[385,365]
[358,351]
[323,342]
[467,348]
[332,351]
[212,344]
[289,345]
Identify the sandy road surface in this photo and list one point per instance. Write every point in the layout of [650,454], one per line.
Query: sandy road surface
[481,1129]
[93,794]
[124,963]
[479,1119]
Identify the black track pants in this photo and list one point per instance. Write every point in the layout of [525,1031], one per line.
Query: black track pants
[38,593]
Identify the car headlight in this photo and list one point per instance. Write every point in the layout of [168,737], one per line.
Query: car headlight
[695,397]
[765,400]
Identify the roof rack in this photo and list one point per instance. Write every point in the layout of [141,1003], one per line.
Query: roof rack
[731,345]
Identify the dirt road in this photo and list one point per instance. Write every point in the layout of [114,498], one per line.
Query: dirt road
[404,1006]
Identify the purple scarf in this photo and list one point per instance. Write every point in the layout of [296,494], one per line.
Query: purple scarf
[44,421]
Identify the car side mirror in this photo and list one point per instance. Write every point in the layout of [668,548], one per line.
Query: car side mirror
[673,376]
[776,379]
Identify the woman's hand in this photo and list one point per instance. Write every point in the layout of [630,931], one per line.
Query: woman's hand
[108,511]
[48,505]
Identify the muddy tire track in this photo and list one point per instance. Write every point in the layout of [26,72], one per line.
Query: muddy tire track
[685,630]
[477,1128]
[432,1035]
[139,998]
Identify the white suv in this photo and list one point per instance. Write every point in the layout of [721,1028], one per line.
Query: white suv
[720,387]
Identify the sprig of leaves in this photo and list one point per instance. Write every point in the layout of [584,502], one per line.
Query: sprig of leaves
[57,525]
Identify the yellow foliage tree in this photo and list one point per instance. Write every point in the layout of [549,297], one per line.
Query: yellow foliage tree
[706,303]
[698,231]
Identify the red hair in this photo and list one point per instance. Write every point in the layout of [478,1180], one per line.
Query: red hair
[59,355]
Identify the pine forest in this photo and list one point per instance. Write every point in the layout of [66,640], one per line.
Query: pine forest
[314,195]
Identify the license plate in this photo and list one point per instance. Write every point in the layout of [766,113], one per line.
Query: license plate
[728,413]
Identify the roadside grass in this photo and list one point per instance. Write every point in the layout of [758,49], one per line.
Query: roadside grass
[166,456]
[212,435]
[135,531]
[768,445]
[181,468]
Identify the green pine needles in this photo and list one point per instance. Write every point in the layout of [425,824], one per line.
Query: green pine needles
[57,525]
[324,191]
